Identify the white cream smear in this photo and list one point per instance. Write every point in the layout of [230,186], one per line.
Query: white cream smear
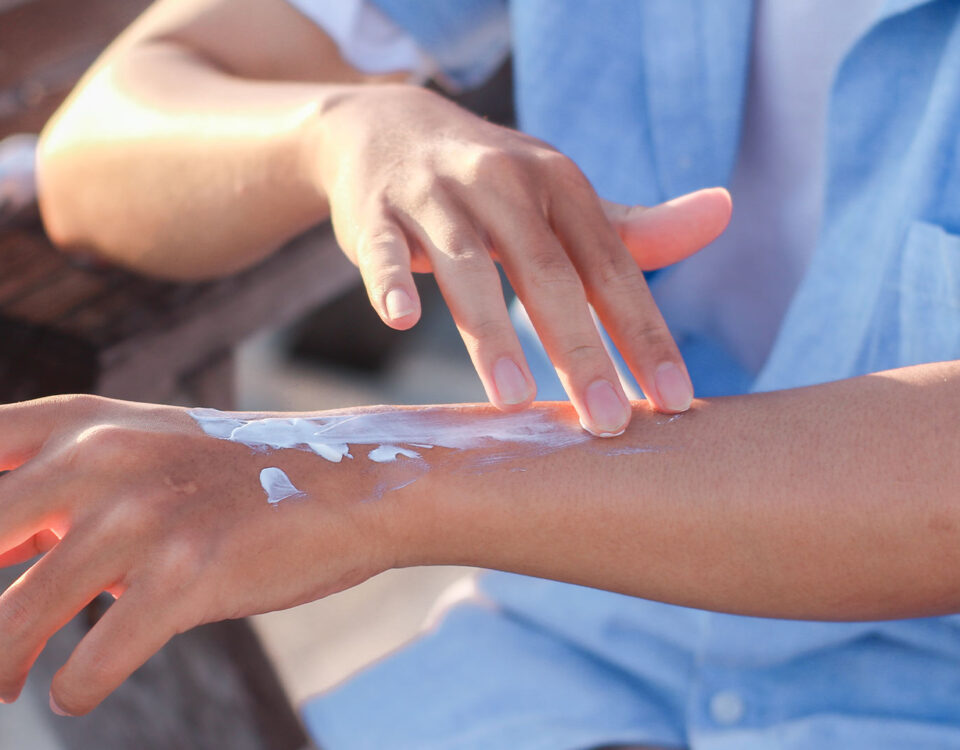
[385,453]
[277,485]
[389,435]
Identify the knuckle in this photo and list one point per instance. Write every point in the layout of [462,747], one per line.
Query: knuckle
[85,401]
[389,273]
[467,255]
[376,242]
[418,194]
[562,168]
[555,161]
[446,183]
[578,352]
[380,277]
[550,268]
[74,401]
[614,269]
[486,329]
[107,440]
[369,263]
[651,336]
[509,169]
[70,406]
[491,161]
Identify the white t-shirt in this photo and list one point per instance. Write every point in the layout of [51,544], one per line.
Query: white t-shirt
[738,289]
[367,39]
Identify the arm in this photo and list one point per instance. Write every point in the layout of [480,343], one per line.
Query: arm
[201,141]
[833,502]
[182,152]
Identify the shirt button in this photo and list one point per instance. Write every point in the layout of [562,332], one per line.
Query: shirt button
[726,707]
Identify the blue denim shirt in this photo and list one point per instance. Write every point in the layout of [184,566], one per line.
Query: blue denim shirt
[647,97]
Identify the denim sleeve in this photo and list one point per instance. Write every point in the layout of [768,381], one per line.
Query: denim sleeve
[467,39]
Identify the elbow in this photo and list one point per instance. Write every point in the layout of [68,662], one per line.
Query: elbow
[83,200]
[84,215]
[59,221]
[64,196]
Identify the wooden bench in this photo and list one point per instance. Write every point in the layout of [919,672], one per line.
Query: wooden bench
[66,326]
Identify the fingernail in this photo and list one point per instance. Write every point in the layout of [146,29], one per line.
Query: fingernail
[55,708]
[674,387]
[399,304]
[608,413]
[512,386]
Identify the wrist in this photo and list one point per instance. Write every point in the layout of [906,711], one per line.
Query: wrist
[452,515]
[322,136]
[414,525]
[317,147]
[340,117]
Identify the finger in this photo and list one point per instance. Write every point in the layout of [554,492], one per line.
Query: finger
[135,627]
[554,297]
[43,600]
[38,544]
[671,231]
[618,292]
[383,258]
[471,286]
[30,501]
[26,426]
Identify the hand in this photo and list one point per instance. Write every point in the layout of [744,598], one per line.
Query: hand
[136,500]
[417,184]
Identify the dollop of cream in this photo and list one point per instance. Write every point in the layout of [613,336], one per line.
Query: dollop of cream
[384,453]
[277,485]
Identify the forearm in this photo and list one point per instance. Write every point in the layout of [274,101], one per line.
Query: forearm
[834,502]
[164,163]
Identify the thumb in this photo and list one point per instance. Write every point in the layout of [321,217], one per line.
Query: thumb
[671,231]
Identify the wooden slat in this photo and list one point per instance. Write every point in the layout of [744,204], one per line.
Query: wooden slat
[38,267]
[131,308]
[16,249]
[53,301]
[144,335]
